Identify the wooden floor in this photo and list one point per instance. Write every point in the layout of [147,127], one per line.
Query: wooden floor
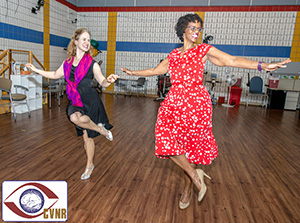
[255,178]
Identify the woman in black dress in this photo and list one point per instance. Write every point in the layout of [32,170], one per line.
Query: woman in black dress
[85,109]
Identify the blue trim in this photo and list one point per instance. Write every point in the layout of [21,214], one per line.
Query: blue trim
[28,35]
[19,33]
[59,41]
[236,50]
[147,47]
[256,51]
[102,45]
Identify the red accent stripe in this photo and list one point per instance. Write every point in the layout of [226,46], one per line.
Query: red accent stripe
[266,8]
[71,6]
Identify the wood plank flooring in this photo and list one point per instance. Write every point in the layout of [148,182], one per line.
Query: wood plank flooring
[255,178]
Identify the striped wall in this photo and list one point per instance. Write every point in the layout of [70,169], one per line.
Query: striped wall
[139,37]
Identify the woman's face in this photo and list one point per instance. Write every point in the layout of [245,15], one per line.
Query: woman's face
[84,42]
[192,31]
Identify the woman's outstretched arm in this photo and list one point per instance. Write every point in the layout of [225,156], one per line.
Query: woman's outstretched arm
[161,68]
[223,59]
[48,74]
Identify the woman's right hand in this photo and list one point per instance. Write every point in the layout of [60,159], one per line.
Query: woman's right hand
[275,66]
[126,71]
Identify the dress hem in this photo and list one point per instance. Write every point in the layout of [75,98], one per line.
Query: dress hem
[197,163]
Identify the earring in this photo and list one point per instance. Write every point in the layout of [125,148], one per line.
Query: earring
[183,36]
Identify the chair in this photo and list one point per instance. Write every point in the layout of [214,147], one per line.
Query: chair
[163,86]
[140,85]
[255,88]
[119,85]
[15,99]
[213,82]
[53,86]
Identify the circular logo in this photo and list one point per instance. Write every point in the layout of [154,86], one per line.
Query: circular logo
[31,200]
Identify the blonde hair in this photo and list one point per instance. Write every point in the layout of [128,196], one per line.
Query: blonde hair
[71,49]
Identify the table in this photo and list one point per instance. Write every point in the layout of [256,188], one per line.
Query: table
[280,98]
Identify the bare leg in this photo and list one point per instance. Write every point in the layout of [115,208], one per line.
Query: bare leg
[186,196]
[184,164]
[89,146]
[84,121]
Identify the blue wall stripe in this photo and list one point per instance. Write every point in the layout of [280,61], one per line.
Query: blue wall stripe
[256,51]
[59,41]
[20,33]
[147,47]
[23,34]
[28,35]
[102,45]
[236,50]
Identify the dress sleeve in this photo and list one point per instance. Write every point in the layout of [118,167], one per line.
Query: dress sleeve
[204,48]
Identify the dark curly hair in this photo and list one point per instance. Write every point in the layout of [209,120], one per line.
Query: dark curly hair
[183,22]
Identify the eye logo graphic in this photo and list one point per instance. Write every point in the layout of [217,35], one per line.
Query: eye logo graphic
[34,201]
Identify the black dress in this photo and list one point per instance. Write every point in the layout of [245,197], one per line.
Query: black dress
[92,104]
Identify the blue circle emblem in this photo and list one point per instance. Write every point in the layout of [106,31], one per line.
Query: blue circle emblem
[32,200]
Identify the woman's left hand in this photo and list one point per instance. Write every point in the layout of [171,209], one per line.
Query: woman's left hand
[112,78]
[275,66]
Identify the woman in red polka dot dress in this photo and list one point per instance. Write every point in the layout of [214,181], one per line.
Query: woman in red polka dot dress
[183,130]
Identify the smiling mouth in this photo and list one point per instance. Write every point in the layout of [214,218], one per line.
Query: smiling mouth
[195,36]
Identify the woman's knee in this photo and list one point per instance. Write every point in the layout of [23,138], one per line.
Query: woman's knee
[75,117]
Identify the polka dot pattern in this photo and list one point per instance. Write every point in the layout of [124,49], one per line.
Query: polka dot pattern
[184,121]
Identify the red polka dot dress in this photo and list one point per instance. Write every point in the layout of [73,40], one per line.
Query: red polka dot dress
[184,121]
